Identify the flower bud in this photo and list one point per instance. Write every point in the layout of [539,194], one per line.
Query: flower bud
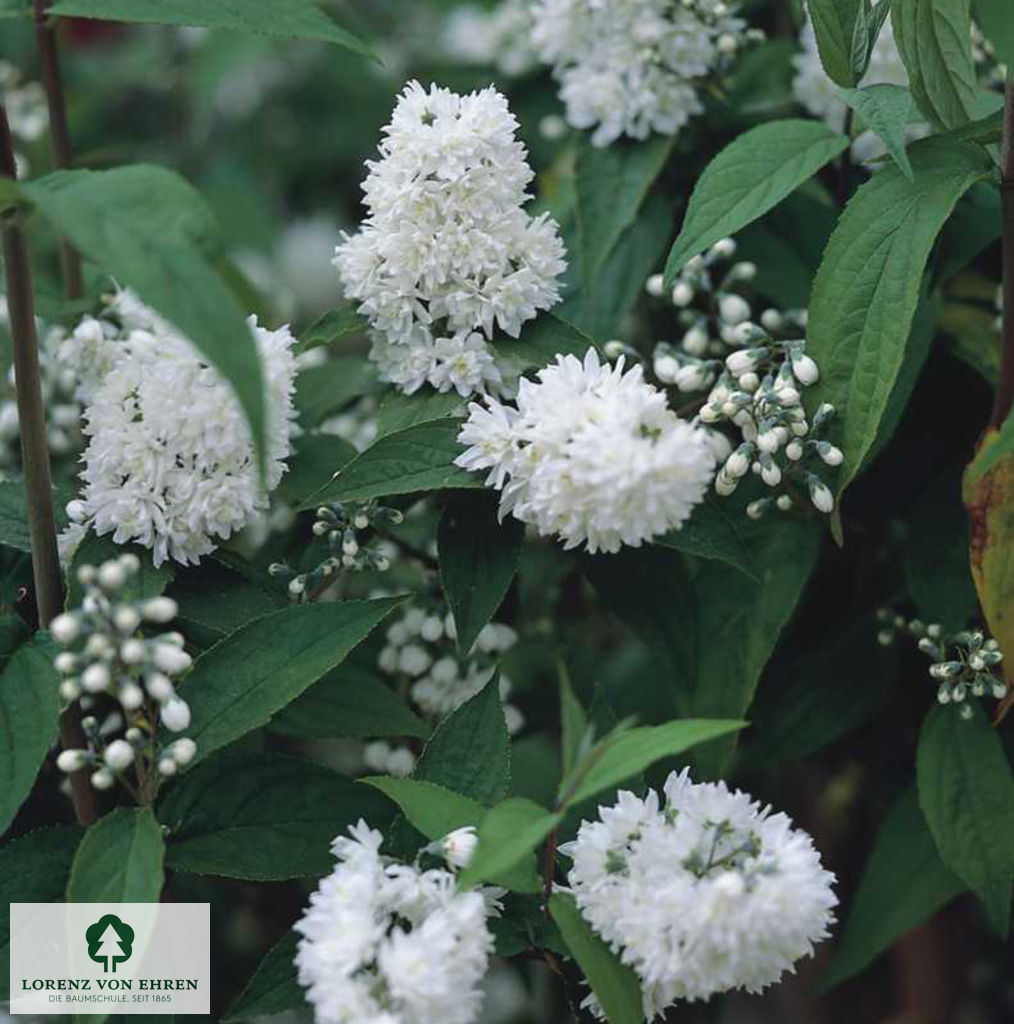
[130,563]
[70,690]
[73,760]
[111,576]
[784,502]
[666,368]
[682,294]
[738,464]
[804,368]
[459,846]
[159,687]
[167,767]
[103,779]
[794,451]
[169,659]
[692,377]
[831,455]
[65,663]
[131,696]
[725,484]
[160,609]
[182,751]
[77,511]
[695,341]
[820,495]
[132,652]
[749,382]
[175,715]
[769,471]
[297,586]
[65,629]
[95,678]
[655,285]
[733,309]
[118,755]
[771,320]
[725,247]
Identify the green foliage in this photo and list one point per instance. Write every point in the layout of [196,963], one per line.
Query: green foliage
[14,515]
[966,791]
[315,460]
[241,682]
[866,292]
[399,411]
[420,458]
[93,550]
[119,859]
[544,338]
[273,987]
[29,712]
[712,531]
[887,110]
[322,391]
[752,175]
[261,816]
[301,19]
[994,18]
[33,869]
[615,986]
[333,326]
[147,228]
[840,32]
[904,883]
[478,560]
[469,752]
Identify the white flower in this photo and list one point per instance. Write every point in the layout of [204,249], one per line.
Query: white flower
[384,943]
[170,463]
[709,893]
[500,37]
[459,846]
[592,453]
[447,255]
[630,67]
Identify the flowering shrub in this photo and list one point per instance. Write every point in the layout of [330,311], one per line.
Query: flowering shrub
[519,517]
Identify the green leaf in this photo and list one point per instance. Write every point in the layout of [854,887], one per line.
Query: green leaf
[273,987]
[753,174]
[712,532]
[349,702]
[33,869]
[314,461]
[420,458]
[399,411]
[867,289]
[632,751]
[13,633]
[886,110]
[14,515]
[143,225]
[543,339]
[904,883]
[469,752]
[934,39]
[149,581]
[297,19]
[241,682]
[325,390]
[15,8]
[507,836]
[994,18]
[615,986]
[478,560]
[262,816]
[119,860]
[335,325]
[966,791]
[834,22]
[573,725]
[29,714]
[612,183]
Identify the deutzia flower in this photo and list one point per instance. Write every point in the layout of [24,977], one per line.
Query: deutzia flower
[448,256]
[592,453]
[170,463]
[632,67]
[500,37]
[388,943]
[700,892]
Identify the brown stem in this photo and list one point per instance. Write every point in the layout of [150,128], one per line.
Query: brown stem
[59,136]
[35,455]
[1005,388]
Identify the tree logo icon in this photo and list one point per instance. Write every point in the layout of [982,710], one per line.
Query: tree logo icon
[110,942]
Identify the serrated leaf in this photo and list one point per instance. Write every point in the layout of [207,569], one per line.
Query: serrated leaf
[615,986]
[93,550]
[335,325]
[507,836]
[399,411]
[349,702]
[298,19]
[33,869]
[611,183]
[29,715]
[478,560]
[753,174]
[867,289]
[712,532]
[966,792]
[469,752]
[904,883]
[325,390]
[934,39]
[885,110]
[314,461]
[543,339]
[262,816]
[241,682]
[834,23]
[634,750]
[144,226]
[420,458]
[273,987]
[119,860]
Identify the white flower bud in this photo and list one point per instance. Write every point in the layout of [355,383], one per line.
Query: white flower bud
[134,736]
[794,451]
[820,495]
[999,690]
[131,696]
[738,464]
[711,413]
[682,294]
[382,563]
[167,767]
[297,586]
[111,576]
[73,760]
[458,846]
[830,454]
[725,247]
[692,377]
[77,512]
[655,285]
[321,529]
[770,473]
[159,687]
[175,715]
[749,382]
[413,660]
[132,652]
[666,368]
[86,575]
[966,712]
[695,341]
[733,309]
[126,619]
[170,659]
[727,43]
[183,751]
[768,441]
[160,609]
[69,690]
[65,629]
[944,694]
[432,629]
[65,663]
[784,502]
[130,563]
[103,779]
[771,320]
[725,484]
[787,397]
[804,368]
[401,762]
[756,508]
[118,755]
[95,678]
[745,271]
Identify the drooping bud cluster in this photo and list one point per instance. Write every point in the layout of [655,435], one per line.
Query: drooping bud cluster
[106,655]
[340,527]
[962,664]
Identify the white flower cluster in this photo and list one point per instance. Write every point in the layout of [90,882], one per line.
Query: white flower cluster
[499,37]
[633,67]
[592,453]
[170,463]
[25,106]
[105,654]
[389,943]
[701,894]
[448,255]
[962,664]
